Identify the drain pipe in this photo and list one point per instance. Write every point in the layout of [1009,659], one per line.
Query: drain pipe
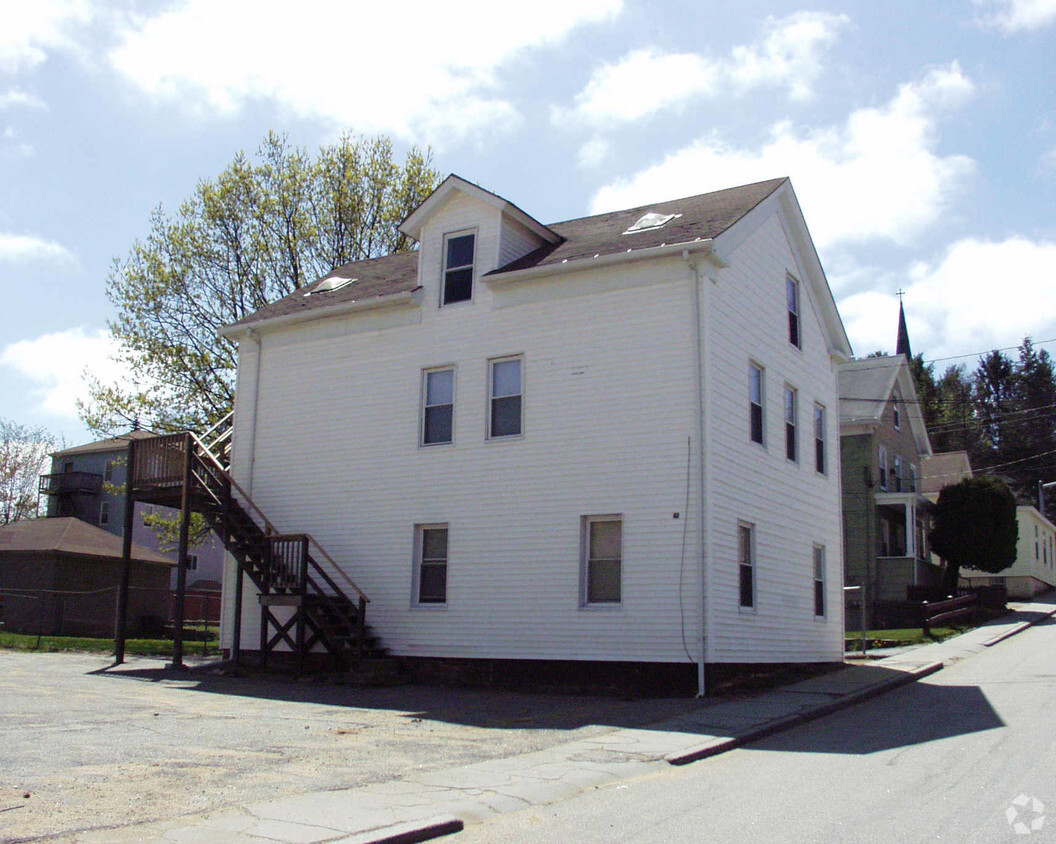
[253,336]
[704,475]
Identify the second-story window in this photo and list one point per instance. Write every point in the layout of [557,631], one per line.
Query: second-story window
[794,336]
[791,437]
[882,467]
[898,418]
[108,472]
[506,389]
[438,406]
[819,438]
[896,474]
[755,403]
[458,268]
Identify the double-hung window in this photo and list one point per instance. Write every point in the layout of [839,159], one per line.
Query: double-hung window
[896,474]
[746,563]
[819,438]
[819,580]
[882,465]
[603,559]
[430,543]
[458,267]
[104,513]
[794,335]
[505,397]
[755,403]
[791,412]
[438,406]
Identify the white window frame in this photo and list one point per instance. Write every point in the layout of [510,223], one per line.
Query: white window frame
[490,435]
[585,561]
[897,416]
[882,464]
[821,461]
[795,311]
[424,406]
[419,549]
[791,414]
[896,473]
[444,268]
[754,367]
[819,564]
[750,564]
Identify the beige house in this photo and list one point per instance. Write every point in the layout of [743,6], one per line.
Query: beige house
[1034,570]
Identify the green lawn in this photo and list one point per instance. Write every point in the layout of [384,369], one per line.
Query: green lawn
[896,638]
[140,647]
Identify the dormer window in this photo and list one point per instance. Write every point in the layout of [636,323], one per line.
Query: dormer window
[458,268]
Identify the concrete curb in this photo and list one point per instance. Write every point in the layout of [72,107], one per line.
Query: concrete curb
[1019,628]
[409,832]
[723,745]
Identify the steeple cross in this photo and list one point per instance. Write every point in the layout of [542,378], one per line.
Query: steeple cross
[900,294]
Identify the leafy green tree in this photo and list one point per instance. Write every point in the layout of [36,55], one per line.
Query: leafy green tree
[975,527]
[23,458]
[260,230]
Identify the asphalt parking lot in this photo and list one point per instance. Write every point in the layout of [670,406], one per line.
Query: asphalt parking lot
[96,747]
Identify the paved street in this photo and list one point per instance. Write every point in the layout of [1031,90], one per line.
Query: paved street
[938,760]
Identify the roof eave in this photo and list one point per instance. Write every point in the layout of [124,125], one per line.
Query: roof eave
[241,329]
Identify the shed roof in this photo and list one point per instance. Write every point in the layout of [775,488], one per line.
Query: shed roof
[71,537]
[119,443]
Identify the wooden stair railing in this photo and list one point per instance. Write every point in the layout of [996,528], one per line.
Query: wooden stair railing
[281,566]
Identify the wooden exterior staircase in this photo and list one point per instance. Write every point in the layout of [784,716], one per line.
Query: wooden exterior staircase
[289,570]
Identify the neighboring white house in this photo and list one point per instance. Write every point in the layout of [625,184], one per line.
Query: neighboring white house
[612,439]
[1034,570]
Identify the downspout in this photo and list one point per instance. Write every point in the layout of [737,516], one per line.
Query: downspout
[252,335]
[704,475]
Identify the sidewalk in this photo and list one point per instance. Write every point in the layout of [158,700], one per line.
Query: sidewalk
[423,806]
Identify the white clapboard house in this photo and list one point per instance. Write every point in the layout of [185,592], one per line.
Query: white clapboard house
[607,444]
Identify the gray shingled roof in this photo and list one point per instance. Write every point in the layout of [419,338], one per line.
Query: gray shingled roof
[113,444]
[865,387]
[704,216]
[72,538]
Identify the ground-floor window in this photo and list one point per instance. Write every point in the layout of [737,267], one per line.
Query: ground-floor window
[430,564]
[602,559]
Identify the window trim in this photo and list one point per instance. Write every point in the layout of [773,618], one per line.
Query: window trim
[897,416]
[423,407]
[820,581]
[416,579]
[751,565]
[488,435]
[821,463]
[882,473]
[444,268]
[585,560]
[104,512]
[791,425]
[754,367]
[794,303]
[108,471]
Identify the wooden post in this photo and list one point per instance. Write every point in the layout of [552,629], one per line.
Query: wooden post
[265,612]
[361,628]
[181,564]
[236,622]
[302,592]
[121,621]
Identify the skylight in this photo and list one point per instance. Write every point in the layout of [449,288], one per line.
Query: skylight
[328,285]
[651,221]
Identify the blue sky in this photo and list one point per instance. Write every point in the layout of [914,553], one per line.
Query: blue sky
[920,139]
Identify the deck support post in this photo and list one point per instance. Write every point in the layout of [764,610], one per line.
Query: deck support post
[121,618]
[181,570]
[236,621]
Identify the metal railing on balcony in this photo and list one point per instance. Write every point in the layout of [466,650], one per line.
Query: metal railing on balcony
[71,483]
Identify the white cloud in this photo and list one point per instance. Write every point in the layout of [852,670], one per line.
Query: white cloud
[877,177]
[641,83]
[430,72]
[593,153]
[23,248]
[789,55]
[31,29]
[980,294]
[1017,15]
[54,364]
[646,81]
[20,99]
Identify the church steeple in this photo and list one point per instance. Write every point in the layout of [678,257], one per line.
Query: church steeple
[902,346]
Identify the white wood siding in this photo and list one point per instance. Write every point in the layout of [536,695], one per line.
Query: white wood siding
[516,241]
[606,428]
[790,504]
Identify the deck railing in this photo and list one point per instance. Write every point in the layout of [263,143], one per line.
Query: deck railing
[71,483]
